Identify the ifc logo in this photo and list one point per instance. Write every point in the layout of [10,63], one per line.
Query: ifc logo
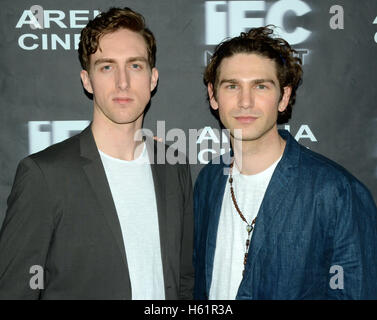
[229,18]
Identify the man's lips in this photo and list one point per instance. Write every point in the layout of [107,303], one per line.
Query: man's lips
[122,100]
[245,119]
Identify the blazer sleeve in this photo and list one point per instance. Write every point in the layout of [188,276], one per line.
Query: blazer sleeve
[187,270]
[353,272]
[26,234]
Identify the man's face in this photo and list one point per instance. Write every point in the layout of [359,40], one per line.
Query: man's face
[248,95]
[120,77]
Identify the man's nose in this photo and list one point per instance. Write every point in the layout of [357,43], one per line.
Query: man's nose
[123,79]
[246,98]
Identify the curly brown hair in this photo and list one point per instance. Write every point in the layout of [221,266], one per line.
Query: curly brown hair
[260,41]
[110,21]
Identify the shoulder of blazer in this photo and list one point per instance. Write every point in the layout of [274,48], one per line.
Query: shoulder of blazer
[62,153]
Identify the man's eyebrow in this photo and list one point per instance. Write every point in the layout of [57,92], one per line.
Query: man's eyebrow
[228,81]
[142,59]
[258,81]
[110,60]
[255,81]
[103,60]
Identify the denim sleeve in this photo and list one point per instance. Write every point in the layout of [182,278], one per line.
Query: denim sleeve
[199,250]
[196,238]
[353,271]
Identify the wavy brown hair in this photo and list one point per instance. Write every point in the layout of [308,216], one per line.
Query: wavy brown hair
[110,21]
[260,41]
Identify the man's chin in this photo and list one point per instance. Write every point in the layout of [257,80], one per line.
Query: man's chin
[124,120]
[246,138]
[241,135]
[252,133]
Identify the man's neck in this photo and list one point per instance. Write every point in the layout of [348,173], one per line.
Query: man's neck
[255,156]
[118,140]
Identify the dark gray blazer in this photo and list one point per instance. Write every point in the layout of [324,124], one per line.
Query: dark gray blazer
[61,216]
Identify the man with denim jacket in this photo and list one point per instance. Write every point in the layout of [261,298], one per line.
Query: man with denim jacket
[274,220]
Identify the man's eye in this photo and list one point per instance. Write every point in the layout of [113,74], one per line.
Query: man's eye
[261,86]
[106,68]
[135,66]
[232,86]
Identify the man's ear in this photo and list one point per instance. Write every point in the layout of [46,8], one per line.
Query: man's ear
[212,99]
[154,78]
[86,81]
[285,99]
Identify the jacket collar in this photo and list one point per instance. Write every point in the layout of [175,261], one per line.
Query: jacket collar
[280,187]
[95,172]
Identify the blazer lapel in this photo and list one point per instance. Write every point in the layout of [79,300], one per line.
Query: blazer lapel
[96,175]
[215,200]
[156,154]
[277,190]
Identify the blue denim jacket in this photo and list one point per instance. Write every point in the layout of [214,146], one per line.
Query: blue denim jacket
[315,236]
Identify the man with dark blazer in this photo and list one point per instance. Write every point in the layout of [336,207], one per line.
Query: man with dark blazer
[101,215]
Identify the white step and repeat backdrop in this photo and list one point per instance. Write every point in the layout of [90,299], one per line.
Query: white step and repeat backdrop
[42,100]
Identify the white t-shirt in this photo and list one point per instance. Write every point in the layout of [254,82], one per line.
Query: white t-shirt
[231,238]
[132,188]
